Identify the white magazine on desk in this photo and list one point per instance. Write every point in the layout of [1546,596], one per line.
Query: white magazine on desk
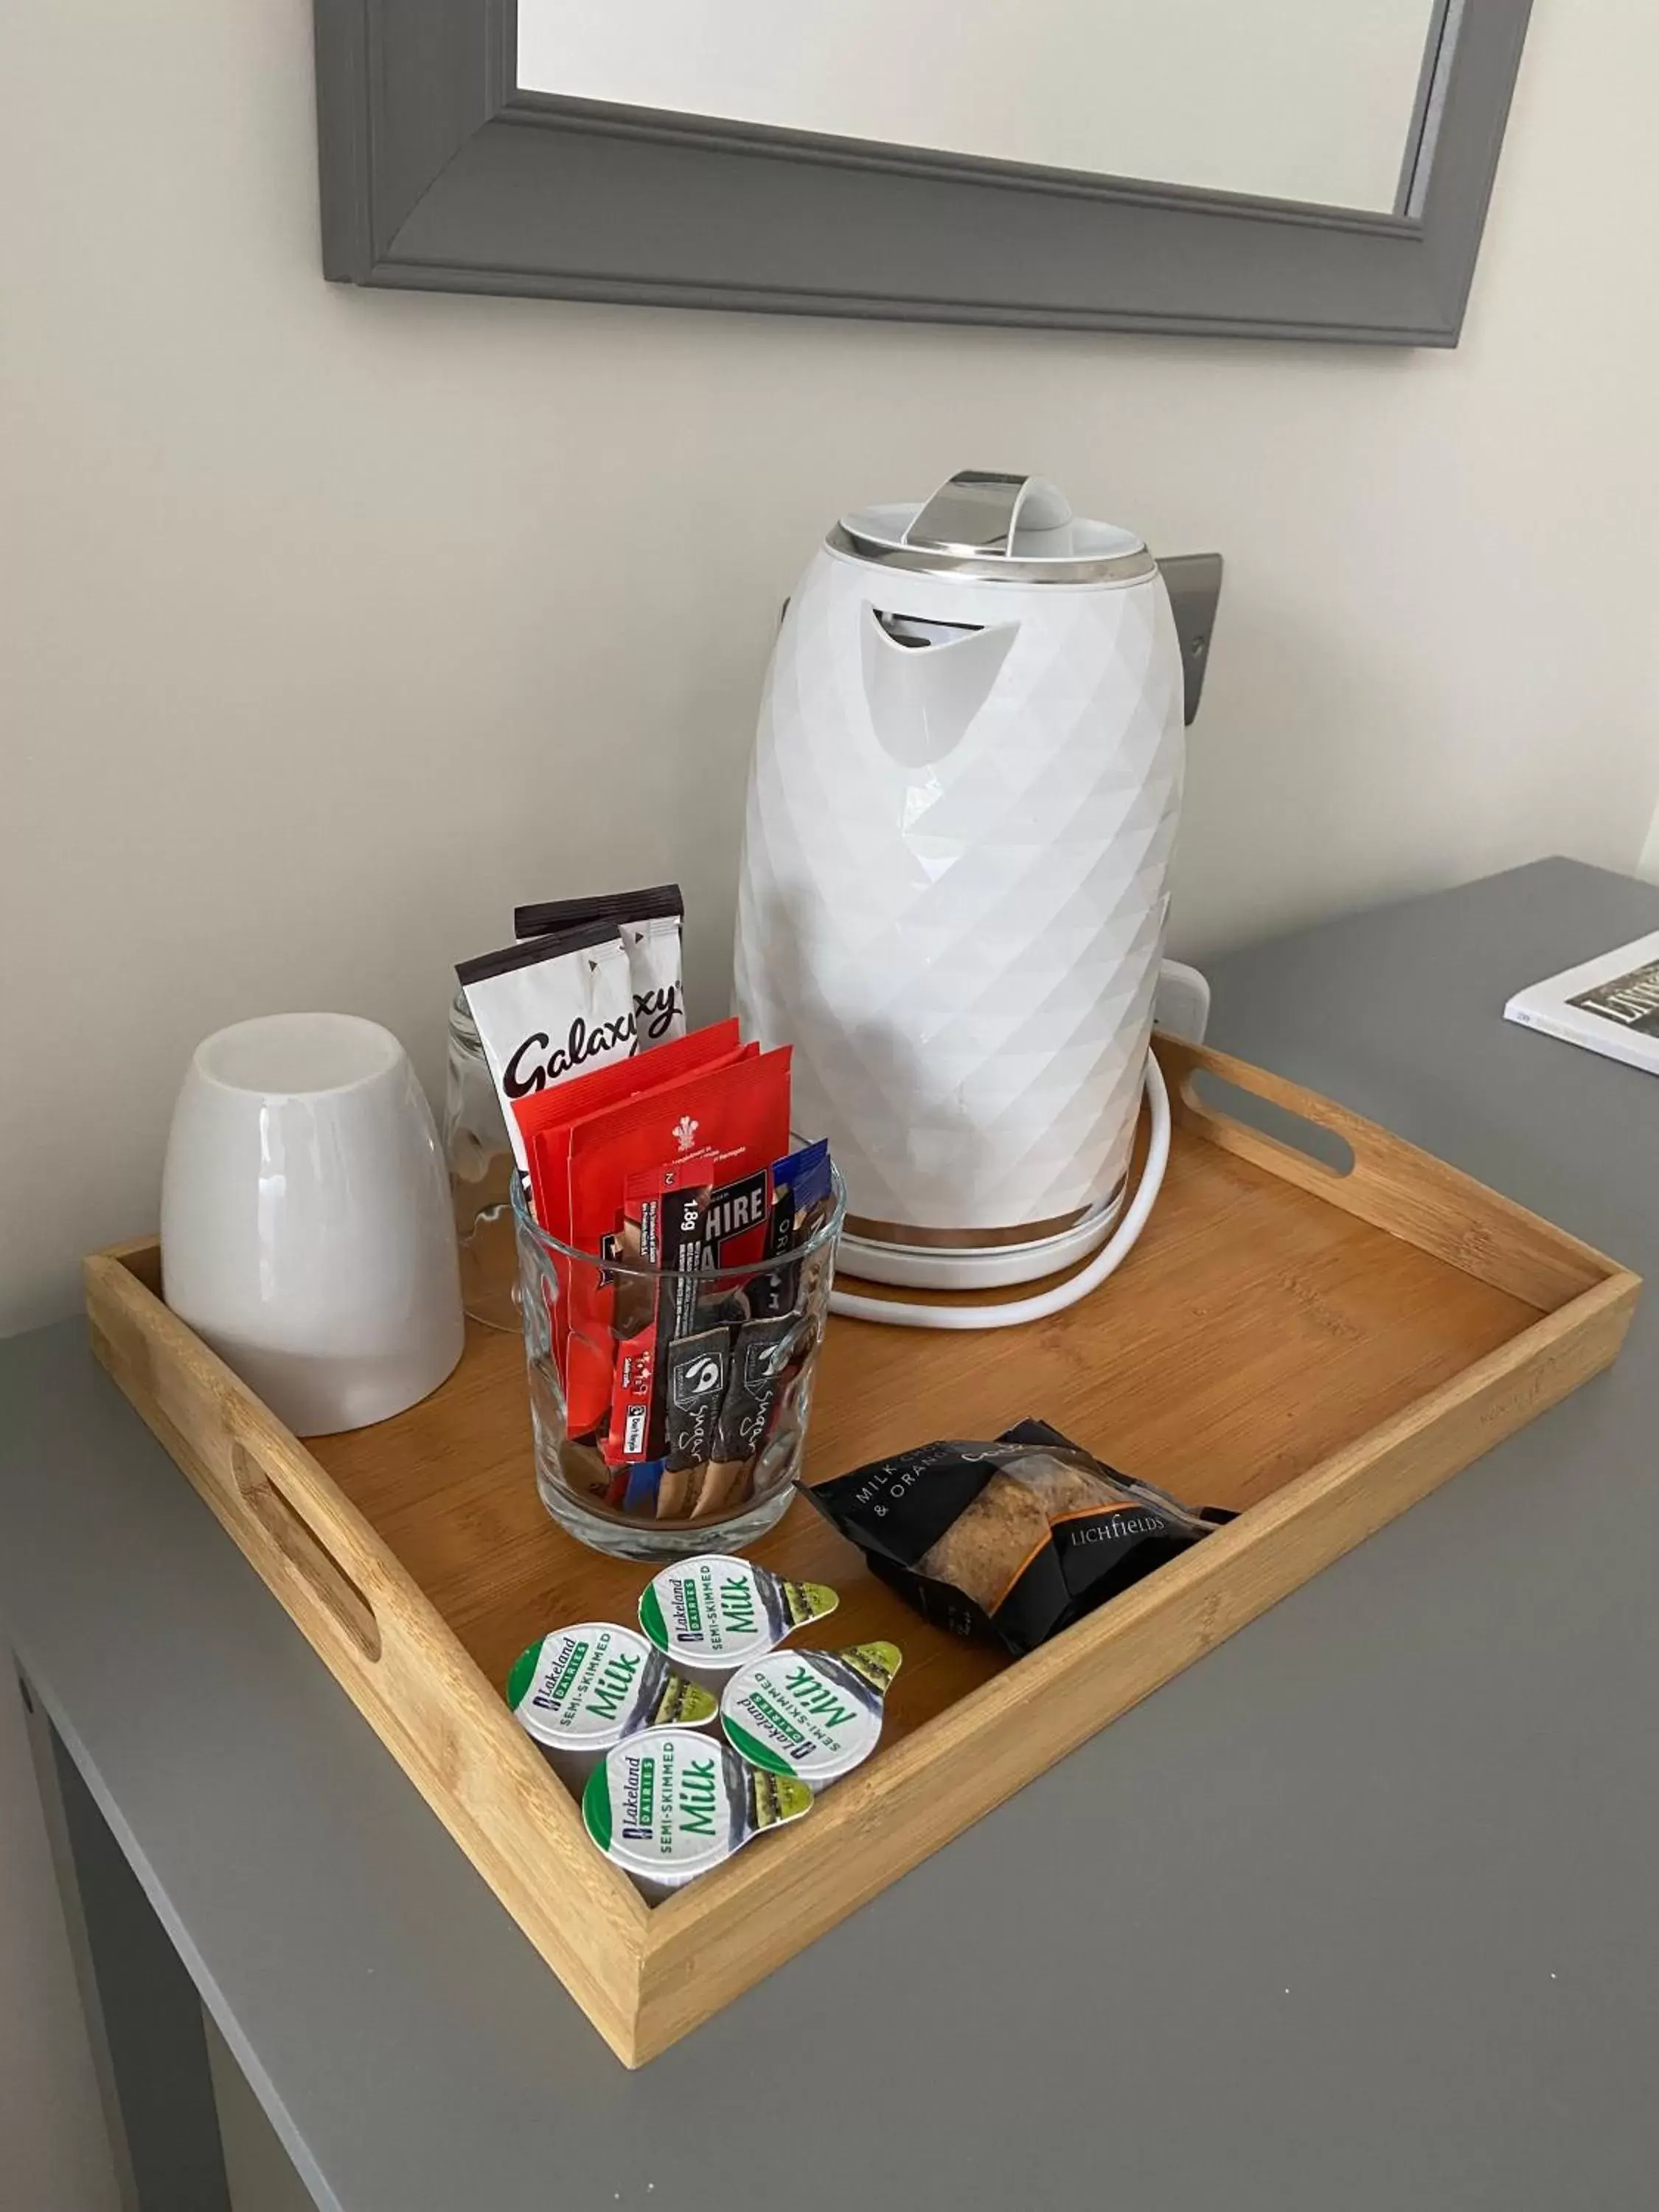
[1610,1004]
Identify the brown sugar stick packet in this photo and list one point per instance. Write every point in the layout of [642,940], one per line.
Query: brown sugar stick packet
[770,1340]
[761,1360]
[697,1368]
[661,1227]
[687,1367]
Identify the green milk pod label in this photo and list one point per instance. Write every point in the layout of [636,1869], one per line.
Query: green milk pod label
[586,1687]
[668,1804]
[717,1612]
[812,1715]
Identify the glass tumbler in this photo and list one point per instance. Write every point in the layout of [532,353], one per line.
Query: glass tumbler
[482,1174]
[709,1369]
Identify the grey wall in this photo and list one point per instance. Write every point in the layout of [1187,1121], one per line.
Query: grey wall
[260,2172]
[54,2153]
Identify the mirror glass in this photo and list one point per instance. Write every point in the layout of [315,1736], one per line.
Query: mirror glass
[1300,99]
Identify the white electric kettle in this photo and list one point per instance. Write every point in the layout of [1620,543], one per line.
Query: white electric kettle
[954,881]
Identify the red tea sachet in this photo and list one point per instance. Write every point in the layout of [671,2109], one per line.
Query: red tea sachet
[545,1121]
[580,1095]
[731,1121]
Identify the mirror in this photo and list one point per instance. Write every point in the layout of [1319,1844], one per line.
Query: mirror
[1311,100]
[1229,169]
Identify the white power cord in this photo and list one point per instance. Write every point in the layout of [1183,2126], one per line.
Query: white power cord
[898,1313]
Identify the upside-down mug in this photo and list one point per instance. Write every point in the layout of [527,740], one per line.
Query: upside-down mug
[306,1234]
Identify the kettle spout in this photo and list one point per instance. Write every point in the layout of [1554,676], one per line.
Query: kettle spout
[924,690]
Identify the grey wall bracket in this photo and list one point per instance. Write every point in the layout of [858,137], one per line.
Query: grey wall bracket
[1193,580]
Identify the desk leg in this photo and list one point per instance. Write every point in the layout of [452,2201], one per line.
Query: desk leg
[142,2014]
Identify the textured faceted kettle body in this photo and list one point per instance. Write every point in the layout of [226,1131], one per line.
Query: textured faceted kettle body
[960,818]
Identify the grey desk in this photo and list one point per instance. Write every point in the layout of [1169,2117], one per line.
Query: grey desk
[1358,1915]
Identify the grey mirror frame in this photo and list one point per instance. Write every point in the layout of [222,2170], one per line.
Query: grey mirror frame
[438,173]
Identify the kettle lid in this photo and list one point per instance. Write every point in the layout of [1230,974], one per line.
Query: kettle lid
[991,528]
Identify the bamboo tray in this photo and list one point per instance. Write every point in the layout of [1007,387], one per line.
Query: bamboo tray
[1314,1348]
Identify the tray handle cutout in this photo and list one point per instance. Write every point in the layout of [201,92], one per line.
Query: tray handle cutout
[304,1553]
[1219,1098]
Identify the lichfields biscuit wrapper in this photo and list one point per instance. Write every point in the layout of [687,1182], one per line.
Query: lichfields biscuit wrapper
[1015,1539]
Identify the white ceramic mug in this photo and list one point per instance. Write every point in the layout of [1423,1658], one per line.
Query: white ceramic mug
[306,1234]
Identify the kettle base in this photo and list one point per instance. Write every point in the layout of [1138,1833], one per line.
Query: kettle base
[929,1263]
[960,1240]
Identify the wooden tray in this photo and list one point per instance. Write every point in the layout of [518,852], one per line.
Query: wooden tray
[1314,1348]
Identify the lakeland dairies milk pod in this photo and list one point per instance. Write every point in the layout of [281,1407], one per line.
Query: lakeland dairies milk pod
[812,1715]
[670,1804]
[712,1613]
[580,1690]
[951,903]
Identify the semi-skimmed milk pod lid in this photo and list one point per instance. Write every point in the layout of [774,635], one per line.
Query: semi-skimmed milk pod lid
[586,1687]
[669,1804]
[716,1612]
[813,1715]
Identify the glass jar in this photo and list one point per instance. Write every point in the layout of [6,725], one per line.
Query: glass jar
[482,1176]
[730,1395]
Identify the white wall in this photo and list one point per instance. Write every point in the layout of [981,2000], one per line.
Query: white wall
[334,622]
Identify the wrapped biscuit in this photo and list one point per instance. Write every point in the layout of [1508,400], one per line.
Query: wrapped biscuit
[1014,1540]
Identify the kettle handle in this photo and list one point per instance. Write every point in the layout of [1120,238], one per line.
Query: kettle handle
[1180,1007]
[979,510]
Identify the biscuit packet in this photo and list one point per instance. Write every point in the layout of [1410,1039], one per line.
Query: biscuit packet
[1014,1540]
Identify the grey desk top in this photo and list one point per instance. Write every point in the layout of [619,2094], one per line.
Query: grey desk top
[1355,1915]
